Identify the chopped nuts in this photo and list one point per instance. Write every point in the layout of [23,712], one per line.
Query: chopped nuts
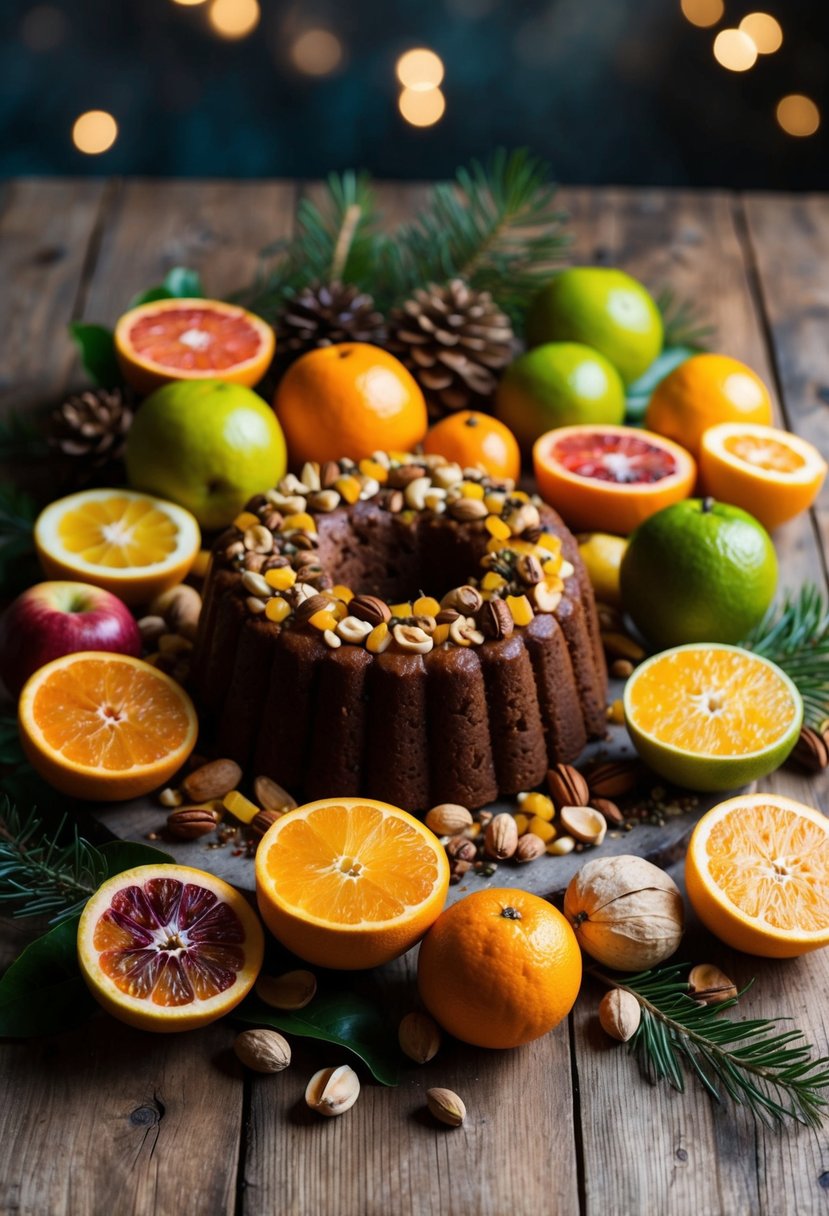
[353,629]
[412,639]
[293,990]
[501,839]
[466,510]
[211,780]
[620,1014]
[262,1050]
[561,846]
[171,798]
[419,1037]
[462,631]
[445,1106]
[495,620]
[584,823]
[416,491]
[448,819]
[710,985]
[333,1091]
[256,585]
[258,539]
[466,600]
[545,598]
[324,500]
[370,608]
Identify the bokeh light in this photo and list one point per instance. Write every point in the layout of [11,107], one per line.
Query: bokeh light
[43,28]
[420,70]
[317,52]
[764,31]
[703,12]
[735,50]
[798,115]
[233,19]
[422,108]
[94,132]
[188,3]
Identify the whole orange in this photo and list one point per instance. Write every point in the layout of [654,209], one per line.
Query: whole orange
[702,391]
[499,968]
[349,400]
[470,438]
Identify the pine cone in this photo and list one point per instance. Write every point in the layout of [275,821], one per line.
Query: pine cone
[323,314]
[453,340]
[91,429]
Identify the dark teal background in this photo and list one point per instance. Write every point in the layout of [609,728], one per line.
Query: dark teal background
[620,91]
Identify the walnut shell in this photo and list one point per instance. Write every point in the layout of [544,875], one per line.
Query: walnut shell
[626,912]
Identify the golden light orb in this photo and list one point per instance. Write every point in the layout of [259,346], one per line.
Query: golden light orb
[317,52]
[422,109]
[234,19]
[798,115]
[703,12]
[764,31]
[420,69]
[94,132]
[735,50]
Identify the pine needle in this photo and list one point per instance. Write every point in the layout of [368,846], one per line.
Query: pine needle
[770,1071]
[683,322]
[794,634]
[39,875]
[17,515]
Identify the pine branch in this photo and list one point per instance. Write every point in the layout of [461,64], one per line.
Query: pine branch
[770,1071]
[17,515]
[794,634]
[496,225]
[683,322]
[41,876]
[336,239]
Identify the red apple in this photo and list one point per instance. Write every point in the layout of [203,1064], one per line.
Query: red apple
[56,618]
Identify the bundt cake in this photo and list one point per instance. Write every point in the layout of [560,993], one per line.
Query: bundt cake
[403,629]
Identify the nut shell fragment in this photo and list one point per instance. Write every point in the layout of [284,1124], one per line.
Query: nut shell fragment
[584,823]
[710,985]
[333,1091]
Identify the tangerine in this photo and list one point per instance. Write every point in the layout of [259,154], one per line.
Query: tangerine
[470,438]
[350,399]
[702,391]
[499,968]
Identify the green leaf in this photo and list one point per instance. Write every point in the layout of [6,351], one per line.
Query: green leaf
[96,345]
[42,992]
[342,1018]
[640,392]
[179,283]
[120,855]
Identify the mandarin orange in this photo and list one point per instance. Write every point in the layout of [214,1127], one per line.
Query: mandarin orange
[470,438]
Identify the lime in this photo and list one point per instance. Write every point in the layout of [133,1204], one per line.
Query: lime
[207,445]
[604,308]
[698,571]
[602,556]
[712,717]
[558,384]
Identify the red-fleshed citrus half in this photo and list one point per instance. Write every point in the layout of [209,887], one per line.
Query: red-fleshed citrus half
[166,947]
[610,478]
[192,340]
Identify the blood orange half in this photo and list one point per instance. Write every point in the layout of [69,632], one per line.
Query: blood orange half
[192,340]
[610,478]
[167,947]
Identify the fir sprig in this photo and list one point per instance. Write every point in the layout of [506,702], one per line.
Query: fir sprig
[794,634]
[683,322]
[497,226]
[41,874]
[17,515]
[770,1071]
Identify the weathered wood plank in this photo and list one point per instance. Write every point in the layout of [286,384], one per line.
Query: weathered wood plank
[654,1150]
[46,227]
[789,244]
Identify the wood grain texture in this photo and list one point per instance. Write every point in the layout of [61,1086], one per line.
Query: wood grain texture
[106,1119]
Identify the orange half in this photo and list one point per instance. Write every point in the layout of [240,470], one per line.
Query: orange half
[166,947]
[757,873]
[769,472]
[192,339]
[350,882]
[105,726]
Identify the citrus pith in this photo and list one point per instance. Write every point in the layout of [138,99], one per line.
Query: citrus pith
[766,471]
[499,968]
[350,882]
[757,874]
[132,544]
[712,717]
[104,726]
[167,948]
[192,339]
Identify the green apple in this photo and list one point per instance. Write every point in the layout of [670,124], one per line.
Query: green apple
[558,384]
[207,445]
[604,308]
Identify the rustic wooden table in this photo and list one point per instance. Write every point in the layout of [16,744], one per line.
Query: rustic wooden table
[109,1120]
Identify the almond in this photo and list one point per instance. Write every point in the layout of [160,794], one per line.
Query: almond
[419,1037]
[609,809]
[501,838]
[445,1106]
[270,795]
[620,1014]
[212,780]
[529,847]
[448,819]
